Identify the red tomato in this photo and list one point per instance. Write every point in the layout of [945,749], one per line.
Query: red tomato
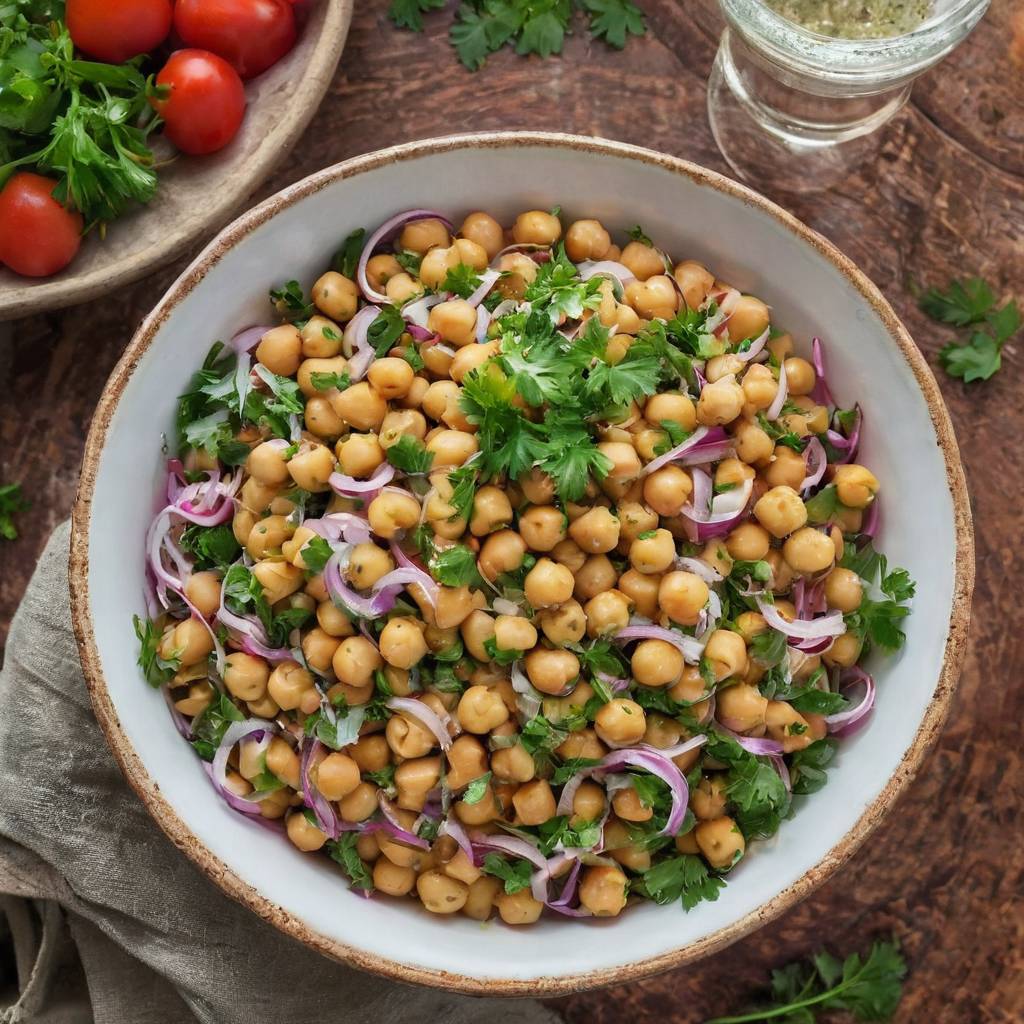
[118,31]
[38,236]
[205,101]
[250,35]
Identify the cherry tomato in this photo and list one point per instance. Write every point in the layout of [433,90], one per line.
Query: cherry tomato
[204,102]
[38,236]
[118,31]
[250,35]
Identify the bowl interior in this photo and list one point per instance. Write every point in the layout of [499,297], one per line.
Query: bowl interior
[692,215]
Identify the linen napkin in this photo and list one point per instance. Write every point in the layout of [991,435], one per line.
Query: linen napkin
[109,922]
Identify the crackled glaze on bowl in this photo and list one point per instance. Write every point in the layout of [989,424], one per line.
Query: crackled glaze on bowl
[694,214]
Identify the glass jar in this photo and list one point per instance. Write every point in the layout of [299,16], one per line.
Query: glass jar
[794,110]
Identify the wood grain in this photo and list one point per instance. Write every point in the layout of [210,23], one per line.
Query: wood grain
[944,196]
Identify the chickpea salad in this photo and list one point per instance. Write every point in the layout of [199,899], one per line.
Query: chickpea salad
[517,570]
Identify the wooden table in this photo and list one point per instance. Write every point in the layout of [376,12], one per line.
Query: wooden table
[944,197]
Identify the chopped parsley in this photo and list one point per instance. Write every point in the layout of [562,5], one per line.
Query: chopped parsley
[409,455]
[343,851]
[346,259]
[516,874]
[685,879]
[156,669]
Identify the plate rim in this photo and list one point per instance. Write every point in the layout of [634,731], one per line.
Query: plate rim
[845,846]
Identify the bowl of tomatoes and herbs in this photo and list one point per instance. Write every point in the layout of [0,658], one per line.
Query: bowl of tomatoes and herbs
[115,110]
[522,564]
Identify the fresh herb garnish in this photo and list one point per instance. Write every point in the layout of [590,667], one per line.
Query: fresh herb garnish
[516,874]
[685,878]
[211,547]
[344,852]
[209,726]
[385,330]
[409,455]
[156,669]
[477,789]
[346,259]
[329,381]
[11,503]
[461,280]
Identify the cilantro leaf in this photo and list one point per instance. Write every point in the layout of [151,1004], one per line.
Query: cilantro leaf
[870,989]
[768,648]
[11,503]
[499,655]
[209,726]
[409,455]
[544,27]
[409,13]
[978,359]
[962,303]
[346,259]
[477,789]
[454,566]
[156,669]
[385,330]
[685,878]
[823,506]
[329,381]
[461,280]
[571,456]
[343,852]
[558,290]
[516,874]
[879,623]
[463,481]
[807,766]
[291,302]
[316,553]
[636,233]
[613,20]
[211,547]
[674,435]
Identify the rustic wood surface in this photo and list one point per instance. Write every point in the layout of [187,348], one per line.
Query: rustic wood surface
[945,196]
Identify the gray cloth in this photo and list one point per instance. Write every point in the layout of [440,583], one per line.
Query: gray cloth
[108,920]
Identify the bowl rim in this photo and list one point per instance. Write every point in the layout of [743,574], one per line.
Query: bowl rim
[28,296]
[178,832]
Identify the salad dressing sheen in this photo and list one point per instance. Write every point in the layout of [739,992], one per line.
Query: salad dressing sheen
[855,19]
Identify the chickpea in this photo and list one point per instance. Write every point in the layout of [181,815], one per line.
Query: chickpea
[278,579]
[748,542]
[781,346]
[682,596]
[809,551]
[642,590]
[422,235]
[708,800]
[303,833]
[787,726]
[653,553]
[753,445]
[283,762]
[452,447]
[441,894]
[656,663]
[548,583]
[629,807]
[625,463]
[336,296]
[266,464]
[408,736]
[336,776]
[695,282]
[620,721]
[318,648]
[484,810]
[587,240]
[607,613]
[844,652]
[653,298]
[355,661]
[492,511]
[597,575]
[843,590]
[482,893]
[673,407]
[618,844]
[534,802]
[268,535]
[380,269]
[481,710]
[759,387]
[727,653]
[361,406]
[367,564]
[741,708]
[454,320]
[780,511]
[518,908]
[514,633]
[359,455]
[401,642]
[513,764]
[390,512]
[203,590]
[436,264]
[787,469]
[518,271]
[542,527]
[720,841]
[583,743]
[483,229]
[856,486]
[280,350]
[402,288]
[321,338]
[189,641]
[536,227]
[642,260]
[200,696]
[321,419]
[800,376]
[749,318]
[720,402]
[467,760]
[596,531]
[393,879]
[565,624]
[750,624]
[551,671]
[603,890]
[287,684]
[391,377]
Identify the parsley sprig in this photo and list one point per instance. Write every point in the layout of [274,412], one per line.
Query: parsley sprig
[966,304]
[869,988]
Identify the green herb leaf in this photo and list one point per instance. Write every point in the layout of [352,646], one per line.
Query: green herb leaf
[346,259]
[209,726]
[291,301]
[409,13]
[211,547]
[685,878]
[978,359]
[462,280]
[613,21]
[962,303]
[316,553]
[11,504]
[477,789]
[156,669]
[454,566]
[516,874]
[330,381]
[385,330]
[343,852]
[409,455]
[807,766]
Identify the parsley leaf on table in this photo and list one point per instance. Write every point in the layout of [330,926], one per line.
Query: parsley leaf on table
[962,303]
[11,503]
[869,988]
[409,13]
[613,21]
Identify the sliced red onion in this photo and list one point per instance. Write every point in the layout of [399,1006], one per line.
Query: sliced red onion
[247,340]
[817,463]
[847,444]
[420,333]
[726,511]
[444,349]
[488,279]
[155,541]
[821,393]
[417,312]
[313,752]
[507,306]
[350,487]
[451,827]
[844,723]
[830,625]
[398,830]
[870,523]
[659,765]
[699,568]
[426,715]
[345,526]
[811,647]
[809,598]
[726,300]
[384,233]
[426,582]
[779,764]
[528,700]
[483,321]
[703,445]
[531,249]
[775,409]
[563,905]
[356,342]
[615,685]
[505,607]
[382,597]
[691,647]
[756,347]
[235,733]
[275,655]
[618,272]
[678,749]
[752,744]
[181,723]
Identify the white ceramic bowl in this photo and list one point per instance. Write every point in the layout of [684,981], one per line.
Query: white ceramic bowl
[693,213]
